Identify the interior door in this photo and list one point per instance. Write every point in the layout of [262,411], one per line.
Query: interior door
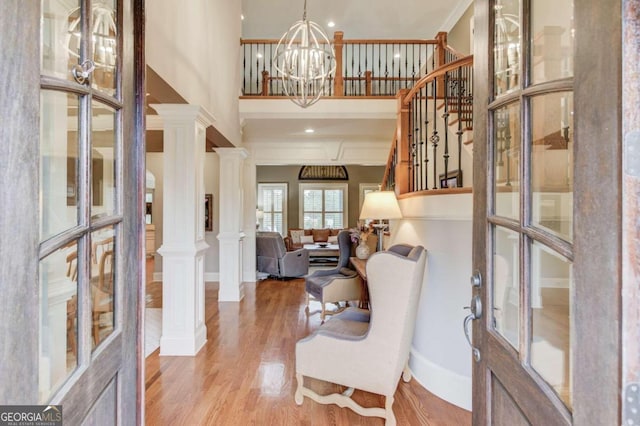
[81,212]
[545,311]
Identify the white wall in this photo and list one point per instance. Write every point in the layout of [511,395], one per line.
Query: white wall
[195,47]
[440,357]
[211,186]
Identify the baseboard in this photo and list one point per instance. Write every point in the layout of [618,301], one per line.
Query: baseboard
[184,346]
[208,276]
[212,276]
[445,384]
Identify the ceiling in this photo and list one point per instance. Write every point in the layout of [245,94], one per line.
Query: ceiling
[357,18]
[368,19]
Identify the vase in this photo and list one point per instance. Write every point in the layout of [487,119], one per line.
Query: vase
[362,251]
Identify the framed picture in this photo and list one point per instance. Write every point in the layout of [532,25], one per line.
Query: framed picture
[453,179]
[208,212]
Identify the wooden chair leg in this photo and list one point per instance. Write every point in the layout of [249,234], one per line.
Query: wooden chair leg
[298,396]
[96,328]
[390,418]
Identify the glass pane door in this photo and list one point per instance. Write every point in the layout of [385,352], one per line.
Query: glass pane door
[80,200]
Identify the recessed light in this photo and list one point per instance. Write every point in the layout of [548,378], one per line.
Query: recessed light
[258,55]
[241,17]
[397,55]
[309,130]
[331,24]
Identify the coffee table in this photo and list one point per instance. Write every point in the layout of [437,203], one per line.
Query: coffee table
[321,253]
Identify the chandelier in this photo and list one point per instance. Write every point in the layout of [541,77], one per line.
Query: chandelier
[305,60]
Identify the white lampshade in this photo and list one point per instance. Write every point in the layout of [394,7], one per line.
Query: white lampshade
[380,205]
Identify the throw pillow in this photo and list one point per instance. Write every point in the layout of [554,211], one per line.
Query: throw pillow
[295,235]
[321,235]
[306,239]
[333,239]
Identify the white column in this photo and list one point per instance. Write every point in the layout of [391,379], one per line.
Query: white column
[251,202]
[183,246]
[231,223]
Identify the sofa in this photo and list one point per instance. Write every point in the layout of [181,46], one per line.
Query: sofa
[296,238]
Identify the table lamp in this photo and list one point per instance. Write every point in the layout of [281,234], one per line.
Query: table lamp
[380,206]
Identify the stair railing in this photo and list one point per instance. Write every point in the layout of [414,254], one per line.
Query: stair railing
[422,155]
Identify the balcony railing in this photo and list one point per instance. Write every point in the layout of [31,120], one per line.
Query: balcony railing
[378,68]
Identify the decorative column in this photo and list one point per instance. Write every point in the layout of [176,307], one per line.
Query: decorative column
[183,246]
[231,223]
[250,221]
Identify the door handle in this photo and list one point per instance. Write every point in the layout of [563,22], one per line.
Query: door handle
[476,313]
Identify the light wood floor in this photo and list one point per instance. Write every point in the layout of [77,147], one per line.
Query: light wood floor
[245,375]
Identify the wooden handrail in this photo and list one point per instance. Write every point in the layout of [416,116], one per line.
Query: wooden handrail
[467,60]
[454,52]
[350,41]
[390,41]
[387,170]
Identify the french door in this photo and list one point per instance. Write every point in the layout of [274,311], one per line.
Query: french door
[76,207]
[545,306]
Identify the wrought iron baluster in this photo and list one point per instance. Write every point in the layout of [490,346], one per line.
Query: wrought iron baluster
[423,143]
[416,129]
[258,85]
[244,69]
[379,67]
[386,69]
[271,69]
[445,116]
[359,85]
[412,144]
[434,137]
[251,69]
[406,67]
[460,118]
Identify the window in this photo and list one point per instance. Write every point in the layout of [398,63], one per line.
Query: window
[323,205]
[272,202]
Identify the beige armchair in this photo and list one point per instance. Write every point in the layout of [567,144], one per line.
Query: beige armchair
[337,284]
[368,354]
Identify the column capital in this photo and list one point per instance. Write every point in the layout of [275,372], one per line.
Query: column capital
[232,152]
[184,112]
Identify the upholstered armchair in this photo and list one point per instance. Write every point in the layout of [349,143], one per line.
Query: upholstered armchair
[273,258]
[337,284]
[369,354]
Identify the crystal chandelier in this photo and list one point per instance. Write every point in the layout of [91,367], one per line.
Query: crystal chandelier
[305,60]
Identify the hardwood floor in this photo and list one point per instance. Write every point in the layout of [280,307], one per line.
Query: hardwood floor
[244,375]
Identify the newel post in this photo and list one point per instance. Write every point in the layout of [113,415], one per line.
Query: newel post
[441,60]
[265,83]
[402,139]
[338,82]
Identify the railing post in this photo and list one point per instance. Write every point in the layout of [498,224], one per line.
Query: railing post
[441,60]
[403,150]
[367,87]
[265,83]
[338,83]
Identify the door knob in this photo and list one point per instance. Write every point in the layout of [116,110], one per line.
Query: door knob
[476,279]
